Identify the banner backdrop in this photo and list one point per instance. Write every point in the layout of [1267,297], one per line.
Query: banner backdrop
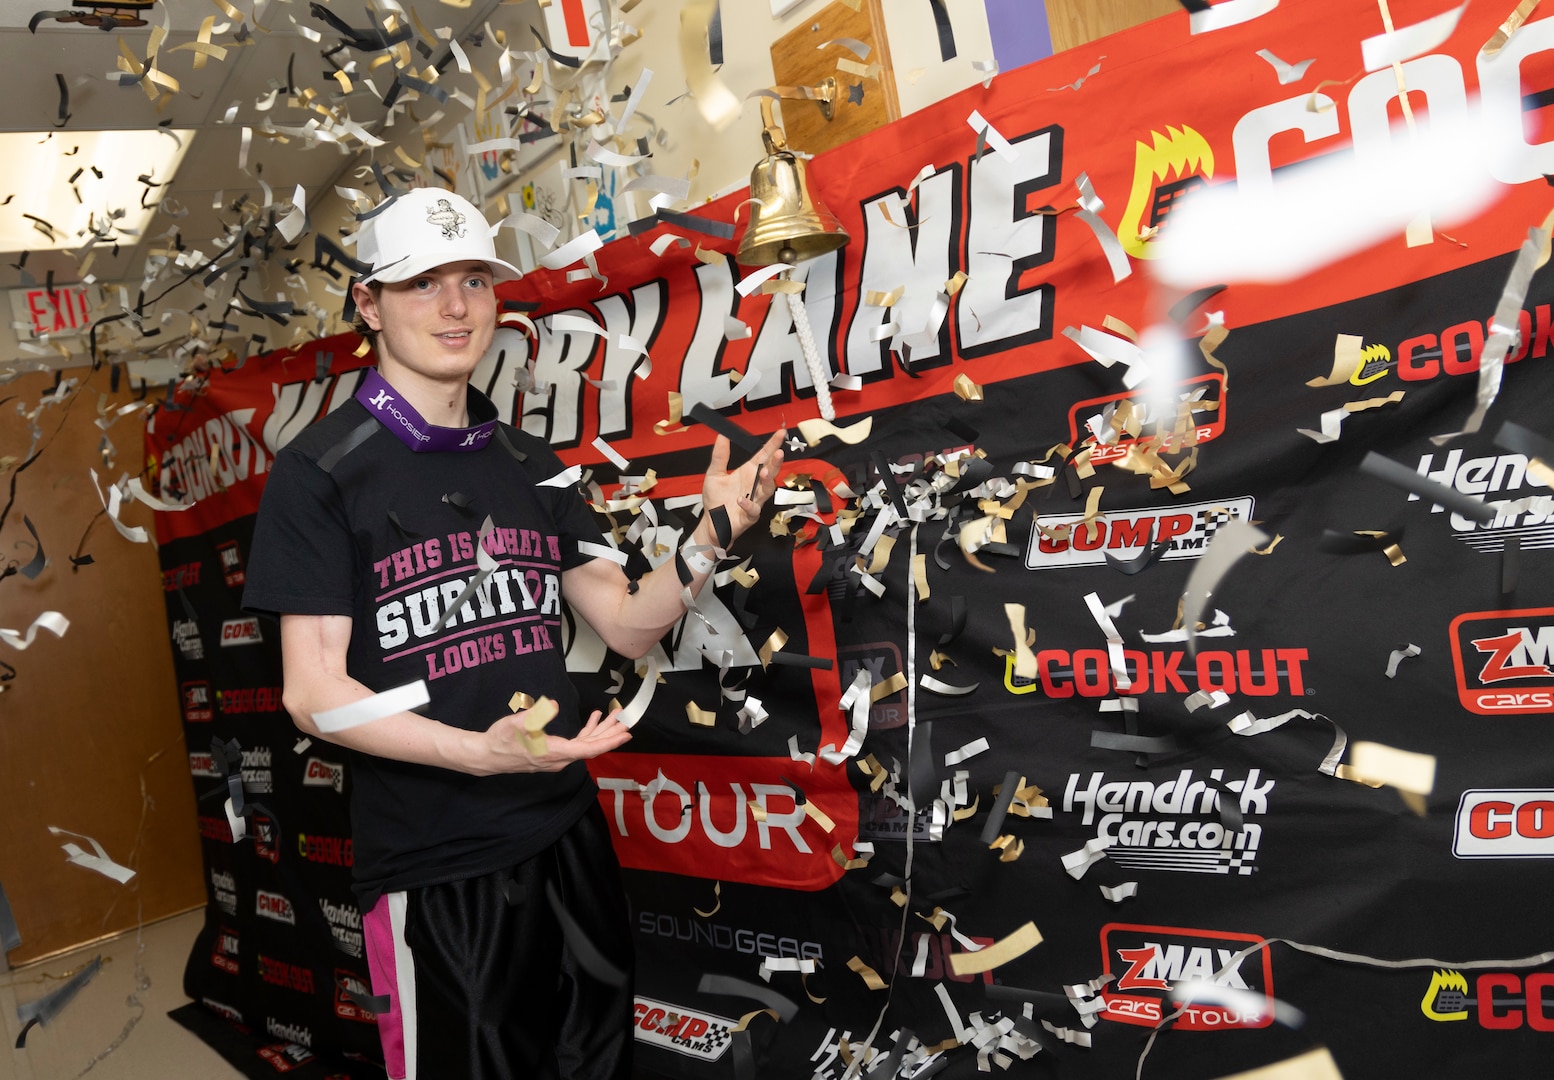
[1076,764]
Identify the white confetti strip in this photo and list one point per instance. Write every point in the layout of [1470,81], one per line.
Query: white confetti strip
[52,621]
[643,697]
[566,478]
[970,750]
[99,861]
[1398,656]
[1407,42]
[399,699]
[1000,145]
[1077,862]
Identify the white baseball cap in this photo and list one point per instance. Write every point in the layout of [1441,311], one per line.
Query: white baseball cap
[425,228]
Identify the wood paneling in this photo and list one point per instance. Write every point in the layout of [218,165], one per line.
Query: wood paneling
[1074,22]
[91,736]
[796,61]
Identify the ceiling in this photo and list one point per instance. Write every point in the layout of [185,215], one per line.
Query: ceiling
[216,100]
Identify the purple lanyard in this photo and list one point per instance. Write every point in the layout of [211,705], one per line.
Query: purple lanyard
[399,416]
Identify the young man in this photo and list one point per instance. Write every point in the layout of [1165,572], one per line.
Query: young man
[465,840]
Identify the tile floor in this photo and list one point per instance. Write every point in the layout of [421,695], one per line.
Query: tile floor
[79,1039]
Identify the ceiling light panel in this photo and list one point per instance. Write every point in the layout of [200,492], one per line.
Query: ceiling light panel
[66,186]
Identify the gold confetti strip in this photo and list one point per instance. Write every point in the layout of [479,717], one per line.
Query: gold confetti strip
[997,954]
[744,1021]
[773,644]
[1272,544]
[1117,326]
[898,897]
[1315,1064]
[819,816]
[853,67]
[953,286]
[534,720]
[875,298]
[881,557]
[920,578]
[1025,660]
[968,811]
[1346,772]
[1211,340]
[699,716]
[1012,851]
[717,894]
[1082,467]
[804,982]
[757,811]
[844,862]
[519,702]
[1393,552]
[1347,359]
[874,771]
[782,285]
[871,978]
[893,685]
[1412,774]
[1373,403]
[1026,799]
[672,426]
[967,390]
[1540,471]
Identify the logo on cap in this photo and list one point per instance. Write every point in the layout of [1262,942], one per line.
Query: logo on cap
[451,221]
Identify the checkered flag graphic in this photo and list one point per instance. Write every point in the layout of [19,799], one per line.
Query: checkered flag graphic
[1211,519]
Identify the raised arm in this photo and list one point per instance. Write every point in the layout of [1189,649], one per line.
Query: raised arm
[630,622]
[313,655]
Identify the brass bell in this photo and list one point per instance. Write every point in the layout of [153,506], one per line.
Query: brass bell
[786,224]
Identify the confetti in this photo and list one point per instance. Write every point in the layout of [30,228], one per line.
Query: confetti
[1287,73]
[400,699]
[52,621]
[1396,46]
[98,860]
[1398,656]
[1001,952]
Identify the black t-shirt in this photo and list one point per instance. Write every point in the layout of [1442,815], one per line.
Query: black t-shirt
[387,536]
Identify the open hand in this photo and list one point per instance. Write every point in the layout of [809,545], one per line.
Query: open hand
[507,748]
[744,491]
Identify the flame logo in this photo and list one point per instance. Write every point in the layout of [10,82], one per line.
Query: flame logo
[1180,152]
[1374,362]
[1448,991]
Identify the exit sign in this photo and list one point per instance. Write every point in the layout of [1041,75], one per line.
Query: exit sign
[62,311]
